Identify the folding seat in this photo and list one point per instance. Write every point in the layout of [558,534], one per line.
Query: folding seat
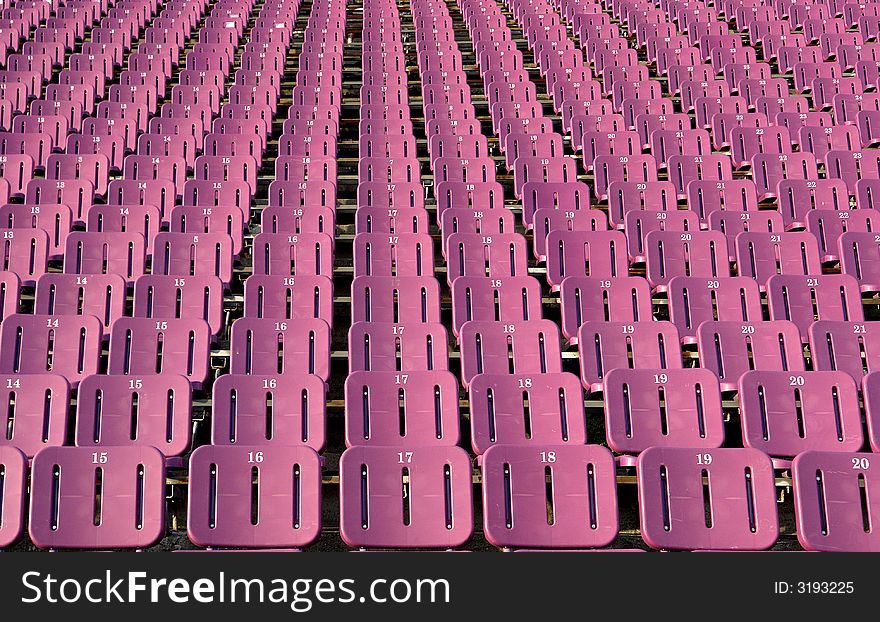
[99,295]
[460,146]
[518,503]
[667,143]
[612,56]
[227,168]
[10,293]
[287,298]
[94,168]
[611,169]
[145,167]
[682,169]
[771,106]
[13,491]
[697,73]
[183,96]
[671,253]
[254,496]
[806,72]
[731,348]
[668,57]
[770,169]
[627,196]
[834,500]
[266,346]
[112,252]
[706,197]
[36,417]
[392,347]
[219,219]
[573,91]
[193,254]
[479,196]
[293,254]
[17,170]
[439,126]
[264,113]
[289,219]
[642,410]
[521,347]
[401,300]
[145,346]
[723,124]
[645,344]
[844,346]
[111,146]
[390,220]
[820,140]
[125,510]
[829,225]
[868,122]
[847,106]
[55,220]
[852,166]
[149,411]
[707,107]
[585,253]
[783,414]
[464,220]
[258,127]
[135,113]
[375,416]
[645,89]
[722,55]
[157,193]
[791,54]
[736,73]
[554,170]
[55,125]
[75,194]
[288,145]
[69,346]
[553,219]
[384,170]
[190,95]
[379,254]
[531,146]
[387,195]
[467,170]
[495,256]
[581,124]
[507,299]
[249,409]
[865,192]
[731,224]
[693,300]
[433,508]
[825,89]
[507,92]
[37,145]
[647,124]
[762,255]
[740,493]
[747,142]
[176,297]
[623,299]
[515,110]
[576,108]
[175,145]
[803,299]
[857,250]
